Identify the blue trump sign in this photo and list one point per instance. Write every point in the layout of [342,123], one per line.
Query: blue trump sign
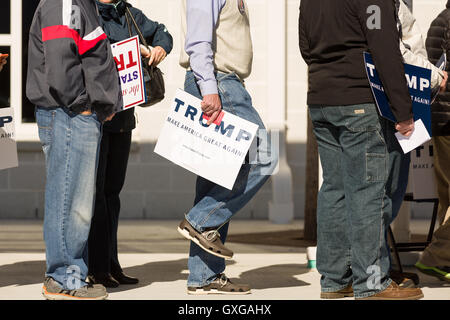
[419,83]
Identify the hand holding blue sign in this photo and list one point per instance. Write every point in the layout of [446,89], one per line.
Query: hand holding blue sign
[419,83]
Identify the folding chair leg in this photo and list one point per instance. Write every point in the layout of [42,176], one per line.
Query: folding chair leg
[395,250]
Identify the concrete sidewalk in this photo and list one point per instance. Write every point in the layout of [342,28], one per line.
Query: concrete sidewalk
[155,253]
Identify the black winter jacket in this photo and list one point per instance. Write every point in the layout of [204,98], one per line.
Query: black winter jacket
[115,26]
[438,41]
[70,63]
[333,36]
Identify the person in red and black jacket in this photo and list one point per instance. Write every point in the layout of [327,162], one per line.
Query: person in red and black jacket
[73,81]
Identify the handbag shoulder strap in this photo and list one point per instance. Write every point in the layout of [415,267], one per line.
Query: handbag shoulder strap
[129,25]
[141,36]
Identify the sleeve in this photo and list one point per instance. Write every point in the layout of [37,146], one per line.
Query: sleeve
[100,74]
[155,33]
[435,39]
[303,40]
[201,22]
[383,42]
[62,61]
[412,45]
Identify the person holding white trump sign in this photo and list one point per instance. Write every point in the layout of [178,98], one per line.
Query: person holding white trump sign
[218,57]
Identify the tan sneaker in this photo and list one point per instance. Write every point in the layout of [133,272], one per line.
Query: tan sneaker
[208,240]
[343,293]
[222,285]
[394,292]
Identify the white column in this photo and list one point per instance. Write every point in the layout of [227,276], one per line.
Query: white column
[281,208]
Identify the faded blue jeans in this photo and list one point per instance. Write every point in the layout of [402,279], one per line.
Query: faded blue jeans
[214,205]
[361,164]
[70,144]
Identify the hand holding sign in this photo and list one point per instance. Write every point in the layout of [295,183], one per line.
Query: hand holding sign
[212,107]
[215,152]
[406,128]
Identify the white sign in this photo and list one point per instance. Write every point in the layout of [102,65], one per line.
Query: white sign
[214,152]
[8,146]
[422,172]
[128,60]
[419,136]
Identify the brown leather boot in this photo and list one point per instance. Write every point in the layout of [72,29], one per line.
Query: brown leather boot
[394,292]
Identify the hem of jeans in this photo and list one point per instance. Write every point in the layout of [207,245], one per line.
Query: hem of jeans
[335,289]
[199,285]
[194,225]
[367,295]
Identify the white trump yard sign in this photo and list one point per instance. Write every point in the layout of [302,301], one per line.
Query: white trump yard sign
[214,152]
[8,146]
[127,56]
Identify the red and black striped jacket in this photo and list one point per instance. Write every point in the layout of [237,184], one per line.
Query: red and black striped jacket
[70,63]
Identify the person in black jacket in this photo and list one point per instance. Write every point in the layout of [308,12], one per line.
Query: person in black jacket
[359,153]
[104,266]
[435,260]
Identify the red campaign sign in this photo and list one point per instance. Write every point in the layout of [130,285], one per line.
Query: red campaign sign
[127,56]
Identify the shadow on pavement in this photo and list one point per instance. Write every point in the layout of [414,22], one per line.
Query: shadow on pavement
[22,273]
[276,276]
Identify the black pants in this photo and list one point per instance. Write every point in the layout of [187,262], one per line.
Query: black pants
[112,167]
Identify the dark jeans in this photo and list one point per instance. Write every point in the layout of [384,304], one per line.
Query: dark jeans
[361,164]
[112,167]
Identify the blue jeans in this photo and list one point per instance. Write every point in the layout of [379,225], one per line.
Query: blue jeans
[399,194]
[214,205]
[361,162]
[70,143]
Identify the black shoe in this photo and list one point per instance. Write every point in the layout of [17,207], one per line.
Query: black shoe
[122,278]
[105,279]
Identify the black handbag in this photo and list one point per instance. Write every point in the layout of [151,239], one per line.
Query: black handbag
[153,76]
